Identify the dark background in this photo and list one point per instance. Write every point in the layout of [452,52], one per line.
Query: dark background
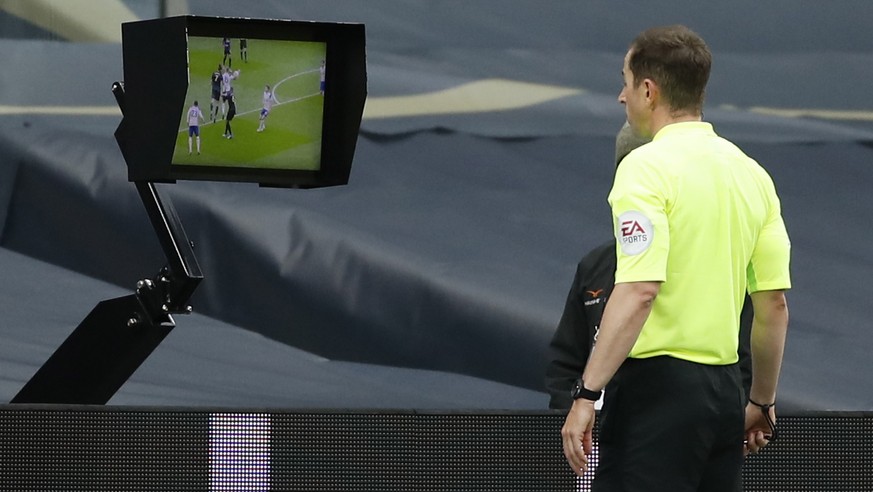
[435,278]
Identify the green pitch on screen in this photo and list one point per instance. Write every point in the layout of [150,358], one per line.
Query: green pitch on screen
[292,138]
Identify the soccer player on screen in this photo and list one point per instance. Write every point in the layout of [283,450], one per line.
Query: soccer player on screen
[195,116]
[244,50]
[227,87]
[269,99]
[231,112]
[215,103]
[322,71]
[227,60]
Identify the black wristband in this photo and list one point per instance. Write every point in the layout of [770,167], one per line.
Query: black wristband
[580,391]
[764,406]
[765,409]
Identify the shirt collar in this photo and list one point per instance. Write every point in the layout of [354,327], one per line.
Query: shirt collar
[685,128]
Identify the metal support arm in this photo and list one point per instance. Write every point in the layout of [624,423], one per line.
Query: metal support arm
[119,334]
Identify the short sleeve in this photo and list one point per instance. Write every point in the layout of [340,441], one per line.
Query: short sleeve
[639,199]
[769,265]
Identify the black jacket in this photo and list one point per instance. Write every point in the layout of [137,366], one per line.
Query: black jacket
[572,341]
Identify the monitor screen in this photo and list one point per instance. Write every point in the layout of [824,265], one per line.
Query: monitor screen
[253,103]
[274,102]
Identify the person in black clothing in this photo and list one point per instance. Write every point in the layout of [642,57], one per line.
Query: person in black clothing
[231,112]
[577,330]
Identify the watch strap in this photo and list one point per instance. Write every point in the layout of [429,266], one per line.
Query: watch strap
[580,391]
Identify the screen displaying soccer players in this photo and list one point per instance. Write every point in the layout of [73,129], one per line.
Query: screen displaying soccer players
[274,101]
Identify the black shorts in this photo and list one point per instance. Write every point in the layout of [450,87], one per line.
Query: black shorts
[671,425]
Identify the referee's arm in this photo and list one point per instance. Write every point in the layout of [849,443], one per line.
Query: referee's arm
[769,329]
[623,319]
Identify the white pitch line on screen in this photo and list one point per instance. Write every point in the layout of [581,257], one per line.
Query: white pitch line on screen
[281,103]
[208,122]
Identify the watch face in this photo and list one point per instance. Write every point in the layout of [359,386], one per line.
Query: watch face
[579,391]
[577,385]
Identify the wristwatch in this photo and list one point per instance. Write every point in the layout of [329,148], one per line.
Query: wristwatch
[580,391]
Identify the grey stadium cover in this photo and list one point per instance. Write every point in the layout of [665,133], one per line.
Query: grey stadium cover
[436,277]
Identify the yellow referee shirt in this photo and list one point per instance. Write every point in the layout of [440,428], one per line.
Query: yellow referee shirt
[692,211]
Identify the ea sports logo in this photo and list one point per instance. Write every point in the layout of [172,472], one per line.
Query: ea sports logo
[634,232]
[631,227]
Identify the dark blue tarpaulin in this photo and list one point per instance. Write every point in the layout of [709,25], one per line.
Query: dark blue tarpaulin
[435,278]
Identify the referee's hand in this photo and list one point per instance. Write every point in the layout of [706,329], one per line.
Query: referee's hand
[758,430]
[576,434]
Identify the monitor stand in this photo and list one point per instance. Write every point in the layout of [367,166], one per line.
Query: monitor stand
[119,334]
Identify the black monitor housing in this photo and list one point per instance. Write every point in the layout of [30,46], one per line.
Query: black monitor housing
[306,146]
[167,65]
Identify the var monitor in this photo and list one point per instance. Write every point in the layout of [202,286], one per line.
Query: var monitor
[273,102]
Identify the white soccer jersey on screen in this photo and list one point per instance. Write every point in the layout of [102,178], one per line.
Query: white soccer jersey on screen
[194,116]
[226,77]
[269,100]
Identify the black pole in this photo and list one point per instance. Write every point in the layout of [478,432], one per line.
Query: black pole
[119,334]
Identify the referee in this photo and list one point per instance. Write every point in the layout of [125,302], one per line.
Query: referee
[580,321]
[697,224]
